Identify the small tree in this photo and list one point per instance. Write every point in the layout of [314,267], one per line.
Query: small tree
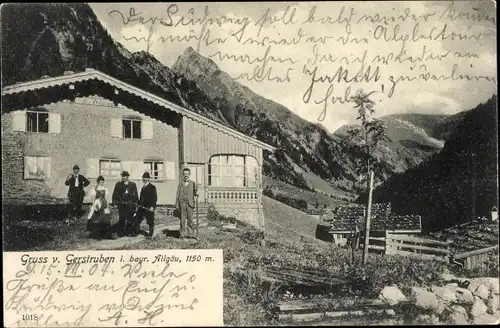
[364,141]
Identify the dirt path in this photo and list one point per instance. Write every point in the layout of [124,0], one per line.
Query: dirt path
[57,235]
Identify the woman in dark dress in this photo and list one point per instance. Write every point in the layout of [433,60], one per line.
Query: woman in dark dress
[99,219]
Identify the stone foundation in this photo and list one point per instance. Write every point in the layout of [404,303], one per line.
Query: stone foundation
[245,214]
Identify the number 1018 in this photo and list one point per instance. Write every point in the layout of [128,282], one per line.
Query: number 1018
[27,317]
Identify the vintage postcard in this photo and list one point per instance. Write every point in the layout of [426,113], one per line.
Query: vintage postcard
[248,164]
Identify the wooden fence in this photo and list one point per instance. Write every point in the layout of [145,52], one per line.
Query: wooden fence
[418,247]
[404,245]
[475,259]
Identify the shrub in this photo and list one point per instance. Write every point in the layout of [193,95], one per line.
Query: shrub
[492,265]
[297,203]
[381,271]
[212,214]
[489,269]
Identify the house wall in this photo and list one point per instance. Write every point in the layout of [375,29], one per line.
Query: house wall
[85,134]
[200,142]
[340,239]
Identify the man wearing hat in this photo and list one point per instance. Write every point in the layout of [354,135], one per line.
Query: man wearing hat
[76,183]
[147,205]
[125,197]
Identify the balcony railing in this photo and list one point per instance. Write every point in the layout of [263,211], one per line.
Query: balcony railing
[231,195]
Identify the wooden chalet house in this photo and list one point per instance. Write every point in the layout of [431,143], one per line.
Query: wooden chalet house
[106,126]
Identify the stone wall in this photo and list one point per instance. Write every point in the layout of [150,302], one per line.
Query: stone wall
[85,134]
[248,215]
[457,301]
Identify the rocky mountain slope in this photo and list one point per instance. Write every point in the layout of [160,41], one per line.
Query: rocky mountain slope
[49,39]
[409,144]
[46,39]
[457,184]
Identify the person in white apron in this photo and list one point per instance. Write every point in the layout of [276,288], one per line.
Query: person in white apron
[99,219]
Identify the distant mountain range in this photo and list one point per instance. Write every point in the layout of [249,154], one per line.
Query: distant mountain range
[414,138]
[49,39]
[460,182]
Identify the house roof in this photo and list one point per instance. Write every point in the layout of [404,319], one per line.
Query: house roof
[345,218]
[378,223]
[92,74]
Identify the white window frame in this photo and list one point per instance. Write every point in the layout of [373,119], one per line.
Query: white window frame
[132,120]
[37,112]
[160,174]
[110,160]
[39,163]
[216,170]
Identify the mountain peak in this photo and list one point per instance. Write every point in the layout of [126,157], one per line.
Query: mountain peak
[189,51]
[192,61]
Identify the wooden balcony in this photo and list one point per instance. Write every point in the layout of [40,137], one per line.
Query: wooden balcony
[231,195]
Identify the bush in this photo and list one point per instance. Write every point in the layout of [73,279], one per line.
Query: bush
[492,265]
[381,271]
[297,203]
[490,268]
[212,214]
[268,192]
[246,299]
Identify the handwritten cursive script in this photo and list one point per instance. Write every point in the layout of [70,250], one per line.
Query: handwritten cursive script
[95,289]
[323,51]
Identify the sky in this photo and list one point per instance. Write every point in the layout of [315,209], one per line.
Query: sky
[447,50]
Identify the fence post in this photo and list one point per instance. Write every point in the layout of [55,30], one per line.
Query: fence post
[390,247]
[447,256]
[385,242]
[262,224]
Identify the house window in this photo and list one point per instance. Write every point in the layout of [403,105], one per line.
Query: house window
[231,171]
[132,128]
[36,167]
[37,121]
[156,169]
[110,168]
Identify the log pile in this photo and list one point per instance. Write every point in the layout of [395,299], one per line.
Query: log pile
[342,310]
[295,277]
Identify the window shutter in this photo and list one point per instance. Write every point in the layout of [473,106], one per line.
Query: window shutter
[136,170]
[54,123]
[116,127]
[30,167]
[147,129]
[92,168]
[46,167]
[19,121]
[170,170]
[127,166]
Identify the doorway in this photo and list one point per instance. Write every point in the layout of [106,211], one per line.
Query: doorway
[198,176]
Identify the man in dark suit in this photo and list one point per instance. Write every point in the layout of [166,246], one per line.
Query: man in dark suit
[147,203]
[125,197]
[76,183]
[185,203]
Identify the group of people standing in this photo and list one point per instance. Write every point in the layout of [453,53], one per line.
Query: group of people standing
[133,206]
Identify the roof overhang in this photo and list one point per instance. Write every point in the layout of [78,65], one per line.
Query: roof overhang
[376,230]
[91,74]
